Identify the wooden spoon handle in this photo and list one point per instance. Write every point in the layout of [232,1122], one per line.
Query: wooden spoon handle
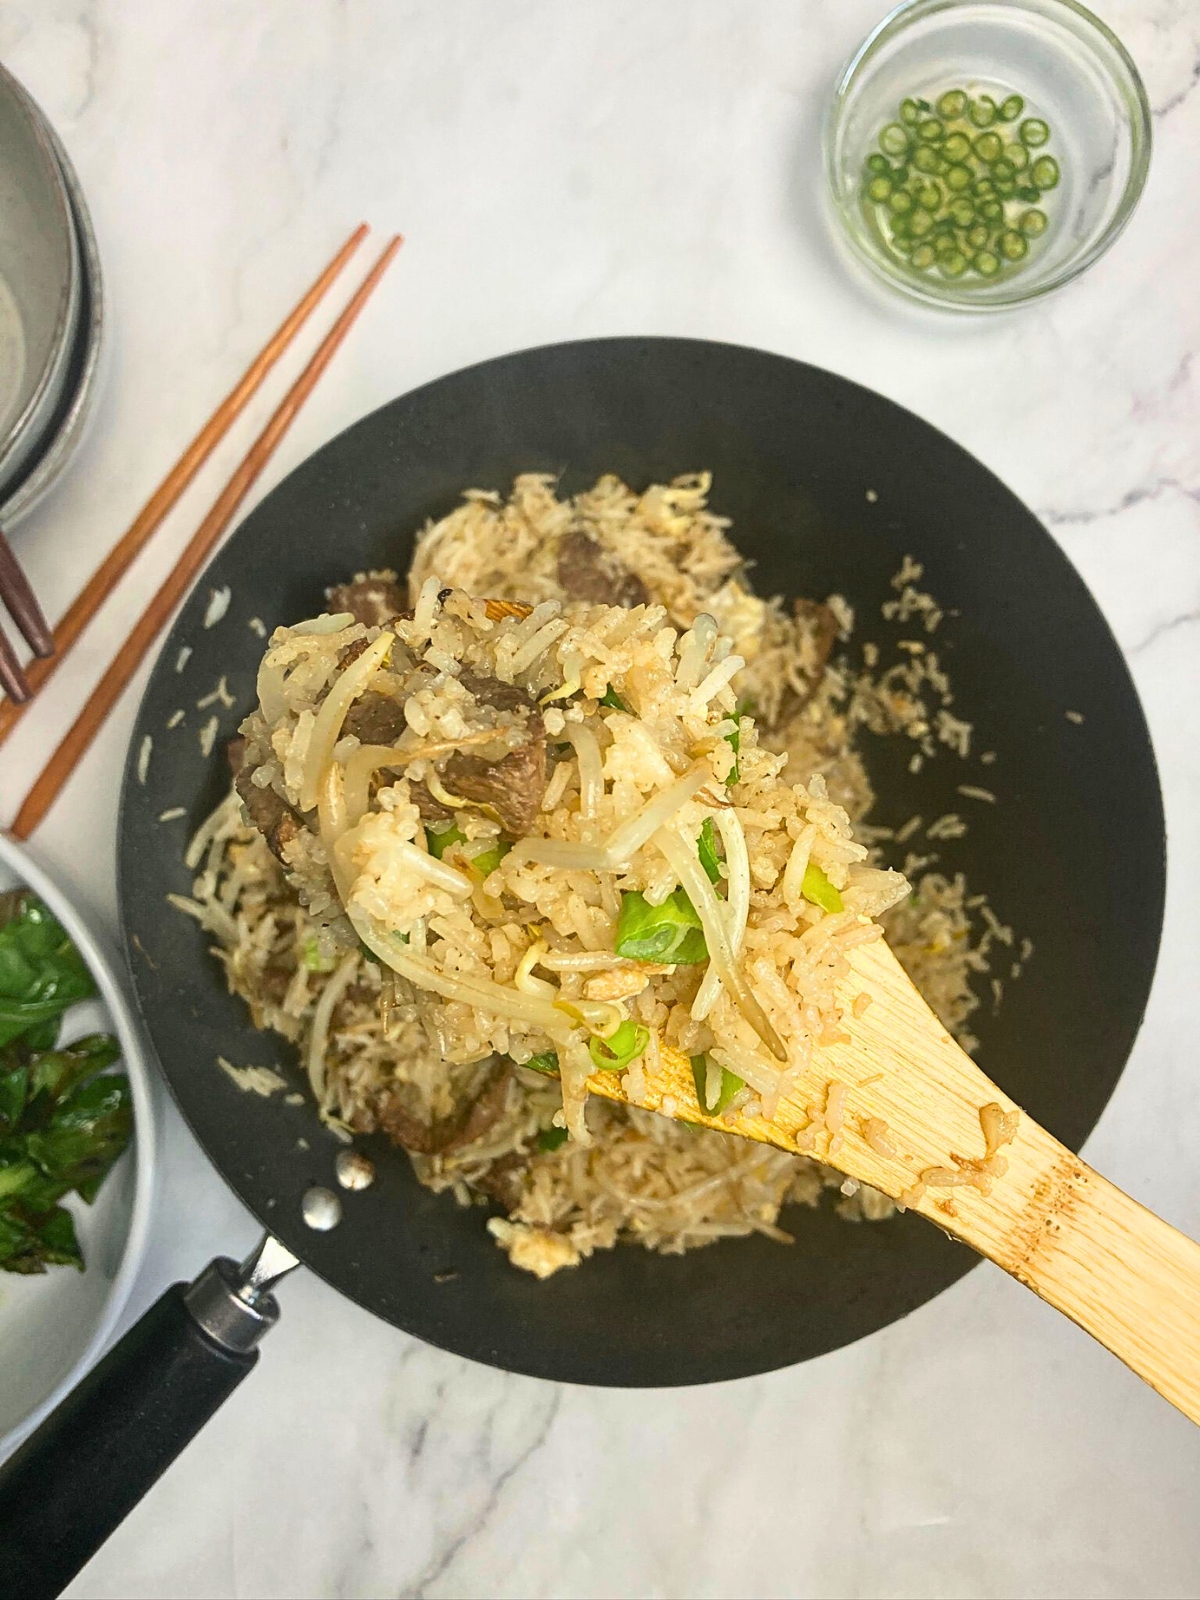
[1124,1275]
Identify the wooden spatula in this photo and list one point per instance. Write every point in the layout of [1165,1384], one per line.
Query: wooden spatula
[900,1083]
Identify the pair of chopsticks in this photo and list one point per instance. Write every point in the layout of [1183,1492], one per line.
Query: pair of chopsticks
[27,614]
[156,615]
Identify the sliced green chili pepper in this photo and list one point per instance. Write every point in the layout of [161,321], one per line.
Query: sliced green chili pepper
[552,1139]
[671,932]
[546,1063]
[1034,133]
[706,849]
[620,1048]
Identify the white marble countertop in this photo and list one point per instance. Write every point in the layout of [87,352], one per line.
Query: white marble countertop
[561,171]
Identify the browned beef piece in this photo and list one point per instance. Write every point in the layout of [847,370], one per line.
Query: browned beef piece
[469,1123]
[504,1180]
[825,630]
[587,571]
[278,823]
[371,601]
[513,786]
[375,719]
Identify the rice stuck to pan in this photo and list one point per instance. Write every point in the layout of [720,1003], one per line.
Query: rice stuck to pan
[570,794]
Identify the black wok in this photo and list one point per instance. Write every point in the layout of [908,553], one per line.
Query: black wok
[1073,854]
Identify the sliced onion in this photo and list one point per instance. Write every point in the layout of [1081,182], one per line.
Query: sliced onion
[331,813]
[685,864]
[737,905]
[693,651]
[480,993]
[432,870]
[332,714]
[318,1041]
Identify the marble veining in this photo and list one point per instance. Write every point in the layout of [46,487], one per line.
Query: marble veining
[568,171]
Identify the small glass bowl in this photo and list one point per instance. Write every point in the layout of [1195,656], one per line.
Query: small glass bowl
[1072,71]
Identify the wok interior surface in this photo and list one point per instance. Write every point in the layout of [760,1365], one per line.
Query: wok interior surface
[1072,855]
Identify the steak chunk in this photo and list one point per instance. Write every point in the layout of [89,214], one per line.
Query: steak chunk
[587,571]
[278,823]
[375,719]
[371,601]
[514,785]
[468,1123]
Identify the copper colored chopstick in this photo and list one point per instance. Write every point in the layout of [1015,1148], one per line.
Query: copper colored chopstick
[22,603]
[107,692]
[15,683]
[110,571]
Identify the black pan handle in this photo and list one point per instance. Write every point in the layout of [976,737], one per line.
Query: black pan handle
[81,1473]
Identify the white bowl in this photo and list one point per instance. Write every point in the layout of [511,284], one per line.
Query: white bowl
[54,1326]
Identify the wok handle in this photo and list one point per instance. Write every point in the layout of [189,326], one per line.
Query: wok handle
[80,1474]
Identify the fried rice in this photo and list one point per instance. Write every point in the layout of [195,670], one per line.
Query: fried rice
[570,794]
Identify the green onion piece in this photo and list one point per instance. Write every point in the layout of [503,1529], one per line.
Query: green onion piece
[951,104]
[989,147]
[927,195]
[910,112]
[983,188]
[486,862]
[552,1139]
[610,697]
[314,961]
[953,264]
[992,211]
[1044,172]
[878,190]
[1005,188]
[923,257]
[900,202]
[706,849]
[931,131]
[1029,194]
[734,740]
[671,932]
[957,147]
[924,104]
[978,235]
[1011,108]
[982,112]
[986,263]
[1017,156]
[893,140]
[439,843]
[963,213]
[899,176]
[958,178]
[1003,171]
[926,159]
[877,164]
[816,887]
[620,1048]
[546,1063]
[1034,133]
[1013,245]
[731,1085]
[1032,223]
[920,223]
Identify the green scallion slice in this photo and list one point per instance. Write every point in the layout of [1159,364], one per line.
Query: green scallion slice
[706,849]
[926,159]
[1017,156]
[1013,245]
[620,1048]
[486,862]
[920,223]
[816,887]
[951,104]
[982,112]
[910,112]
[1045,172]
[923,257]
[440,842]
[893,140]
[1032,223]
[610,697]
[731,1085]
[956,147]
[978,235]
[1034,133]
[958,178]
[734,741]
[552,1139]
[1028,193]
[1011,108]
[927,195]
[1003,171]
[546,1063]
[877,165]
[963,212]
[899,202]
[931,131]
[671,932]
[986,263]
[953,264]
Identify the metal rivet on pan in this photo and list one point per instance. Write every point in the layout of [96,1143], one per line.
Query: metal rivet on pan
[321,1209]
[354,1170]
